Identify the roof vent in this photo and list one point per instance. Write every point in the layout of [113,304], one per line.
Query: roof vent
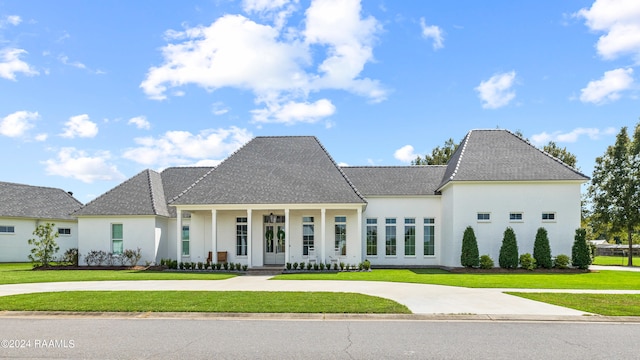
[70,193]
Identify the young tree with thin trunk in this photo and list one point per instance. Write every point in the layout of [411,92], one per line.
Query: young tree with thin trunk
[45,246]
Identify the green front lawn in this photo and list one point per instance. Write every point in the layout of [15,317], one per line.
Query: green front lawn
[603,304]
[619,280]
[614,260]
[12,273]
[203,301]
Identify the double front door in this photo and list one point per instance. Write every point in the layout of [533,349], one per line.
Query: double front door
[274,238]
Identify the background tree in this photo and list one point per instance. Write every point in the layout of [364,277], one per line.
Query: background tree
[45,246]
[542,250]
[509,250]
[580,253]
[470,257]
[561,153]
[439,155]
[615,187]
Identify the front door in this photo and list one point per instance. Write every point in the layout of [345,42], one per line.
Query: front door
[274,240]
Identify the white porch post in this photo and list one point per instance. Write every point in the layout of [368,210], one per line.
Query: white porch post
[359,234]
[323,236]
[178,235]
[249,237]
[214,236]
[287,238]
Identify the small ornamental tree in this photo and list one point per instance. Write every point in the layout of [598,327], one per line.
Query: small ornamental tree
[542,250]
[470,257]
[509,250]
[580,254]
[45,246]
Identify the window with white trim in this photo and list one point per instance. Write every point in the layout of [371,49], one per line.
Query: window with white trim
[64,231]
[341,234]
[515,216]
[484,217]
[241,236]
[429,243]
[117,238]
[186,251]
[390,237]
[308,234]
[409,237]
[549,216]
[372,237]
[7,229]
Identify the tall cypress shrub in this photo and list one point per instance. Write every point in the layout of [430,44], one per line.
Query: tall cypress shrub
[580,254]
[509,250]
[542,250]
[470,257]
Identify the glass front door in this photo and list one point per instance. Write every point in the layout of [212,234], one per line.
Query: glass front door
[274,240]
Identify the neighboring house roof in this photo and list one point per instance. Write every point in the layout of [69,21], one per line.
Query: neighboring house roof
[396,180]
[500,155]
[18,200]
[275,170]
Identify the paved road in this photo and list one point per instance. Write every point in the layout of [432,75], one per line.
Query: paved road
[197,338]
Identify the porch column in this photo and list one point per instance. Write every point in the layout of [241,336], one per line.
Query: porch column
[214,236]
[323,236]
[287,238]
[178,235]
[359,234]
[249,237]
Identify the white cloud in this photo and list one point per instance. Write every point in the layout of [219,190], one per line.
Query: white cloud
[405,154]
[41,137]
[432,32]
[79,165]
[18,123]
[140,122]
[496,92]
[572,136]
[65,60]
[608,88]
[10,64]
[80,126]
[14,20]
[620,21]
[183,147]
[329,52]
[218,108]
[292,112]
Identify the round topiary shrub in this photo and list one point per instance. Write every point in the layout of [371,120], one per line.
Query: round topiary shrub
[542,250]
[486,262]
[527,261]
[562,262]
[509,250]
[469,255]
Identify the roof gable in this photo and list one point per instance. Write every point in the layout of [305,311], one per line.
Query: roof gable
[499,155]
[19,200]
[396,180]
[274,170]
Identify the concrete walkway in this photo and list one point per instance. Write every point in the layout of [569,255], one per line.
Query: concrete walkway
[419,298]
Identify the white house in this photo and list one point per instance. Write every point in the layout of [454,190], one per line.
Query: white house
[23,208]
[284,199]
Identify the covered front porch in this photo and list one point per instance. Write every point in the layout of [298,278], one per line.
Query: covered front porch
[270,235]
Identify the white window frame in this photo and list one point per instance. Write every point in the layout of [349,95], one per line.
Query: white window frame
[552,215]
[340,221]
[372,224]
[409,223]
[429,223]
[482,214]
[308,222]
[185,240]
[516,216]
[7,229]
[114,239]
[390,223]
[65,233]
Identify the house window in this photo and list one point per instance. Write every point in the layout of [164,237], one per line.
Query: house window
[485,217]
[429,237]
[550,217]
[116,238]
[308,231]
[185,240]
[241,236]
[372,237]
[7,229]
[64,231]
[409,237]
[515,216]
[341,234]
[390,237]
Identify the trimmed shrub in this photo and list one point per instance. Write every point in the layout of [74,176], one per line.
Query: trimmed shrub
[580,253]
[469,257]
[509,250]
[562,262]
[486,262]
[527,261]
[542,250]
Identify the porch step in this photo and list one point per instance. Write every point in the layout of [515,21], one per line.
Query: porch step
[265,271]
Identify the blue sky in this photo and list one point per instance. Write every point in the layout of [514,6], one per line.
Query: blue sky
[92,92]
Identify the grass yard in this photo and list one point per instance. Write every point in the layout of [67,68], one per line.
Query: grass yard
[618,280]
[203,301]
[12,273]
[614,260]
[603,304]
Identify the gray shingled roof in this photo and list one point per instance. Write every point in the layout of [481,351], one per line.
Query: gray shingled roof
[18,200]
[499,155]
[396,180]
[275,170]
[176,180]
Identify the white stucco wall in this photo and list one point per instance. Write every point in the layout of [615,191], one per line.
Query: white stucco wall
[15,248]
[94,233]
[400,208]
[463,201]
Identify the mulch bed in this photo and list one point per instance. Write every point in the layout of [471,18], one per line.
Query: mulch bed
[71,267]
[498,270]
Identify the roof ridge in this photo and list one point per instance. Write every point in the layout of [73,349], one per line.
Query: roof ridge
[463,147]
[340,170]
[390,166]
[151,183]
[110,191]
